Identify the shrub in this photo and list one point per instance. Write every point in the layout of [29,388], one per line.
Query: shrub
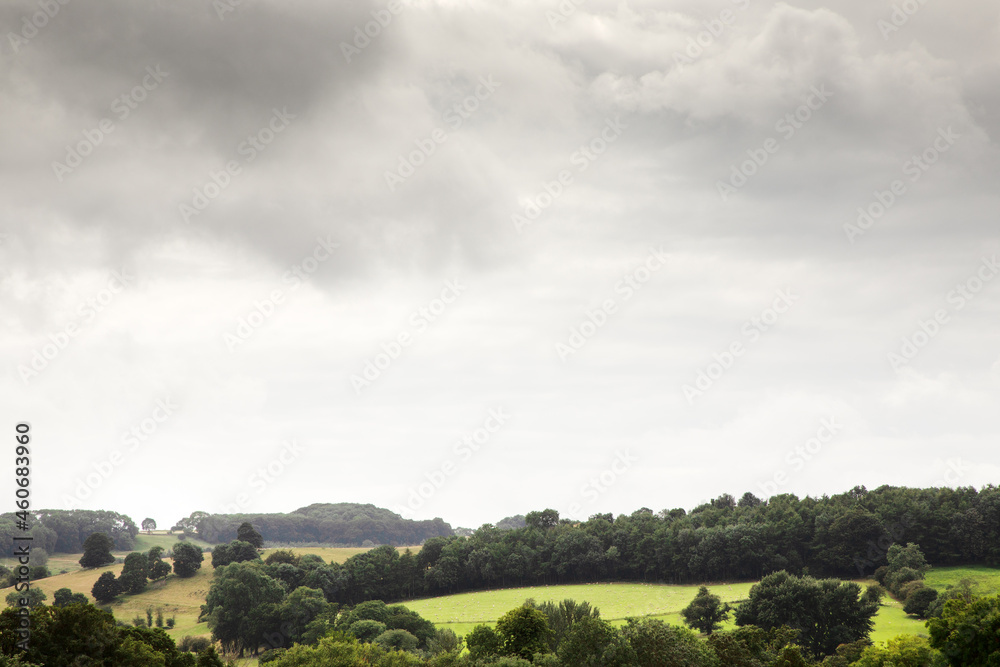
[904,575]
[920,601]
[909,588]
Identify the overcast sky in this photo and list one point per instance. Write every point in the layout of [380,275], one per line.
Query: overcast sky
[493,257]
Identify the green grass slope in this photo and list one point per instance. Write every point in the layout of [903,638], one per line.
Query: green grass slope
[986,579]
[464,611]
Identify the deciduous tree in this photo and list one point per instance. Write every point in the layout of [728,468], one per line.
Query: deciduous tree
[34,596]
[64,596]
[106,588]
[242,606]
[97,551]
[133,576]
[523,632]
[967,632]
[158,569]
[187,559]
[826,612]
[247,533]
[706,612]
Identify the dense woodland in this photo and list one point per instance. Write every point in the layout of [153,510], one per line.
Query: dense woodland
[65,531]
[340,524]
[845,535]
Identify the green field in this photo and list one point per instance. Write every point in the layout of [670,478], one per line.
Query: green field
[986,579]
[464,611]
[182,598]
[617,602]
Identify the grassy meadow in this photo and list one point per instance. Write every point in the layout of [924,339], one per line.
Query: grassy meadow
[464,611]
[617,602]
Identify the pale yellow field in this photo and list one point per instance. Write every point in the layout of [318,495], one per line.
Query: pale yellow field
[177,597]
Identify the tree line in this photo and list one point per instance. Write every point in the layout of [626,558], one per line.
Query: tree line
[846,535]
[65,531]
[346,524]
